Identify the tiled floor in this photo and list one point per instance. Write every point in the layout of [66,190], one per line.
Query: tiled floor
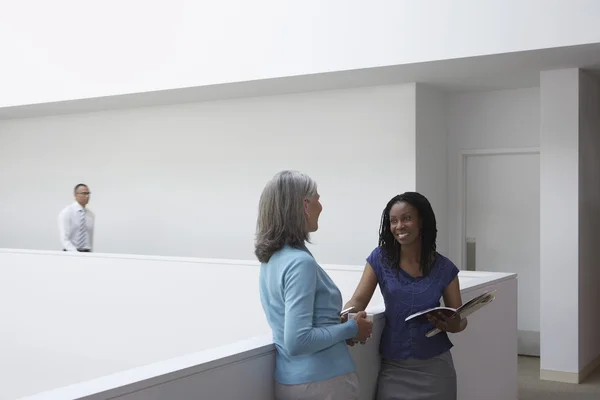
[532,388]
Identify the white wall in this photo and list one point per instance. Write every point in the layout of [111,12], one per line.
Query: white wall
[559,217]
[589,218]
[78,317]
[492,121]
[570,178]
[484,357]
[384,141]
[62,50]
[561,118]
[485,120]
[74,317]
[74,320]
[185,180]
[431,156]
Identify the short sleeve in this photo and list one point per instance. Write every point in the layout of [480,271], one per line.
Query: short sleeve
[451,271]
[375,261]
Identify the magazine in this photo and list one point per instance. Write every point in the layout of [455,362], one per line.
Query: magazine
[464,311]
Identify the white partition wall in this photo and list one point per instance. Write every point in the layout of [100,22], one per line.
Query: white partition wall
[75,317]
[95,326]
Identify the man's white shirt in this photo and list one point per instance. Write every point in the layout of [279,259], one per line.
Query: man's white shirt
[69,221]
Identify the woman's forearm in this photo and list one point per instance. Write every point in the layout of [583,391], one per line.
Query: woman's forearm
[357,304]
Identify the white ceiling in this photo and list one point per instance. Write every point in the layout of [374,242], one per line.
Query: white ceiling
[493,72]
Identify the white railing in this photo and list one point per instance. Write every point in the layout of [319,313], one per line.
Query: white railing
[176,357]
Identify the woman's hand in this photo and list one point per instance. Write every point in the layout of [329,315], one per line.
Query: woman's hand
[365,328]
[453,324]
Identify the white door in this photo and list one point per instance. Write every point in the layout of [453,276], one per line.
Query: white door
[503,229]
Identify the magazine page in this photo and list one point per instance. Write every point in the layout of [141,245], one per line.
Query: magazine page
[469,308]
[447,311]
[484,297]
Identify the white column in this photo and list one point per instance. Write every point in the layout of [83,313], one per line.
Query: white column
[569,200]
[431,156]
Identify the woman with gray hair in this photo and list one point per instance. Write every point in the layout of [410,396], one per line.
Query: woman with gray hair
[301,302]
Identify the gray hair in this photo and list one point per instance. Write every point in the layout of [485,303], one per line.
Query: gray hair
[281,220]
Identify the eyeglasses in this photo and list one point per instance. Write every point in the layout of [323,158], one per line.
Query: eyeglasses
[85,193]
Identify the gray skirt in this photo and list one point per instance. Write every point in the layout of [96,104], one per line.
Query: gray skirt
[432,379]
[343,387]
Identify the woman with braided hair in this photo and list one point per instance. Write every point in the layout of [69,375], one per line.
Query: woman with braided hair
[412,277]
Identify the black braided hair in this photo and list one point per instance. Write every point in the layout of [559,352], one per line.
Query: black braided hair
[390,246]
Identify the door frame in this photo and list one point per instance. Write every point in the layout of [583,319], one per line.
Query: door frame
[462,185]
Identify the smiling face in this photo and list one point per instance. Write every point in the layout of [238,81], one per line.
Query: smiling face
[405,223]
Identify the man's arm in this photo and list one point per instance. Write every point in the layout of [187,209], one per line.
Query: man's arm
[91,231]
[64,231]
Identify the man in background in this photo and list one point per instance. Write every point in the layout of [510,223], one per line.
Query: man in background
[76,222]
